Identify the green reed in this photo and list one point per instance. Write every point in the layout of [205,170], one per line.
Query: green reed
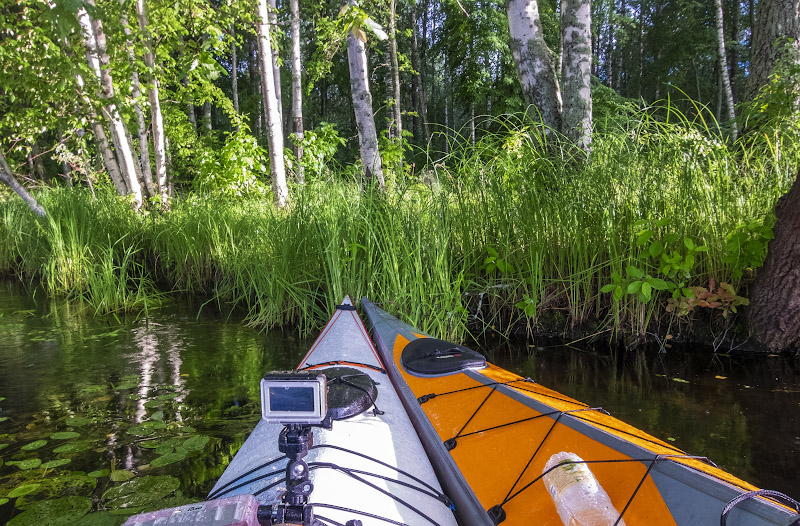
[519,228]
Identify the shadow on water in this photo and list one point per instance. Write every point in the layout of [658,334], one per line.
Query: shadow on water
[741,411]
[120,416]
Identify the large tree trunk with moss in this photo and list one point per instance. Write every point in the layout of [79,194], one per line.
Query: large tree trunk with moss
[274,127]
[777,26]
[362,106]
[576,45]
[7,177]
[534,60]
[775,302]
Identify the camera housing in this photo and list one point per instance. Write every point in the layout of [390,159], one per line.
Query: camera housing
[293,397]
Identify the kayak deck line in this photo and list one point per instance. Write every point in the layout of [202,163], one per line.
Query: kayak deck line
[490,447]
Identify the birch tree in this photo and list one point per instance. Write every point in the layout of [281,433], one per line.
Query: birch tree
[724,76]
[360,93]
[534,60]
[297,92]
[156,118]
[274,126]
[7,177]
[576,45]
[396,130]
[100,64]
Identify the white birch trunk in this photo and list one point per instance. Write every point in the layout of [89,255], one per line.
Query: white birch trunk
[724,76]
[420,86]
[99,62]
[7,177]
[274,127]
[297,92]
[157,120]
[576,31]
[136,92]
[534,60]
[362,106]
[276,71]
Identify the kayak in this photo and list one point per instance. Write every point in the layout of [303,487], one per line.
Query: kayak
[491,434]
[369,466]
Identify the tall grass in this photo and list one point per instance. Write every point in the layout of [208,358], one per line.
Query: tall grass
[517,228]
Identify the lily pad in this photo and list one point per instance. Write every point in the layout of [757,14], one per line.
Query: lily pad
[99,473]
[73,448]
[140,431]
[140,491]
[196,443]
[64,435]
[125,385]
[78,421]
[23,490]
[56,463]
[168,396]
[59,512]
[29,463]
[34,445]
[121,475]
[169,458]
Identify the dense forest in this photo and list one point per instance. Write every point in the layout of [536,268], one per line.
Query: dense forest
[606,169]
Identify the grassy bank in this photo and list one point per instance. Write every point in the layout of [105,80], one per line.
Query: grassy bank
[510,231]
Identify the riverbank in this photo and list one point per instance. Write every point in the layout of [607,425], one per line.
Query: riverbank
[509,237]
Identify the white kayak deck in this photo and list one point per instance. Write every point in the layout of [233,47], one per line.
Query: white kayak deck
[389,438]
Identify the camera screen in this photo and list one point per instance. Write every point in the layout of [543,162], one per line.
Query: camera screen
[291,399]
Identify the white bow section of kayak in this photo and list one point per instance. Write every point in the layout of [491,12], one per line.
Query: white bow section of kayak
[389,438]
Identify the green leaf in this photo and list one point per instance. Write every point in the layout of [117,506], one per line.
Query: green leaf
[25,464]
[99,473]
[121,475]
[3,500]
[56,463]
[78,421]
[607,288]
[34,445]
[64,435]
[658,284]
[140,491]
[644,237]
[196,443]
[646,291]
[169,458]
[689,293]
[65,511]
[618,293]
[634,272]
[73,448]
[23,490]
[689,243]
[656,248]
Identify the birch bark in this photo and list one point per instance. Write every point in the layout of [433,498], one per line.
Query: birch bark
[7,177]
[724,76]
[274,128]
[576,31]
[297,92]
[99,62]
[156,118]
[362,106]
[276,71]
[234,72]
[534,60]
[397,129]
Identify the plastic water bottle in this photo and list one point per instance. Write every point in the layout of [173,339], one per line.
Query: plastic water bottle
[579,498]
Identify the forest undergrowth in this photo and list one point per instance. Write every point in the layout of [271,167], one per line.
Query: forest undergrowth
[663,224]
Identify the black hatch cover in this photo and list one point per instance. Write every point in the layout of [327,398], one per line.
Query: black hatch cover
[350,392]
[429,356]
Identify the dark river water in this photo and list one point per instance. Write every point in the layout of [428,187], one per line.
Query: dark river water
[87,403]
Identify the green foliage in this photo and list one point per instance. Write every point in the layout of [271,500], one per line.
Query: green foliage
[236,169]
[319,147]
[746,247]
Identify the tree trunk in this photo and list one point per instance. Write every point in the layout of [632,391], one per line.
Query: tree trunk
[99,62]
[234,72]
[396,131]
[144,144]
[297,92]
[276,71]
[775,303]
[576,31]
[362,106]
[157,120]
[725,79]
[254,70]
[274,127]
[534,61]
[419,85]
[207,116]
[35,159]
[7,177]
[777,23]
